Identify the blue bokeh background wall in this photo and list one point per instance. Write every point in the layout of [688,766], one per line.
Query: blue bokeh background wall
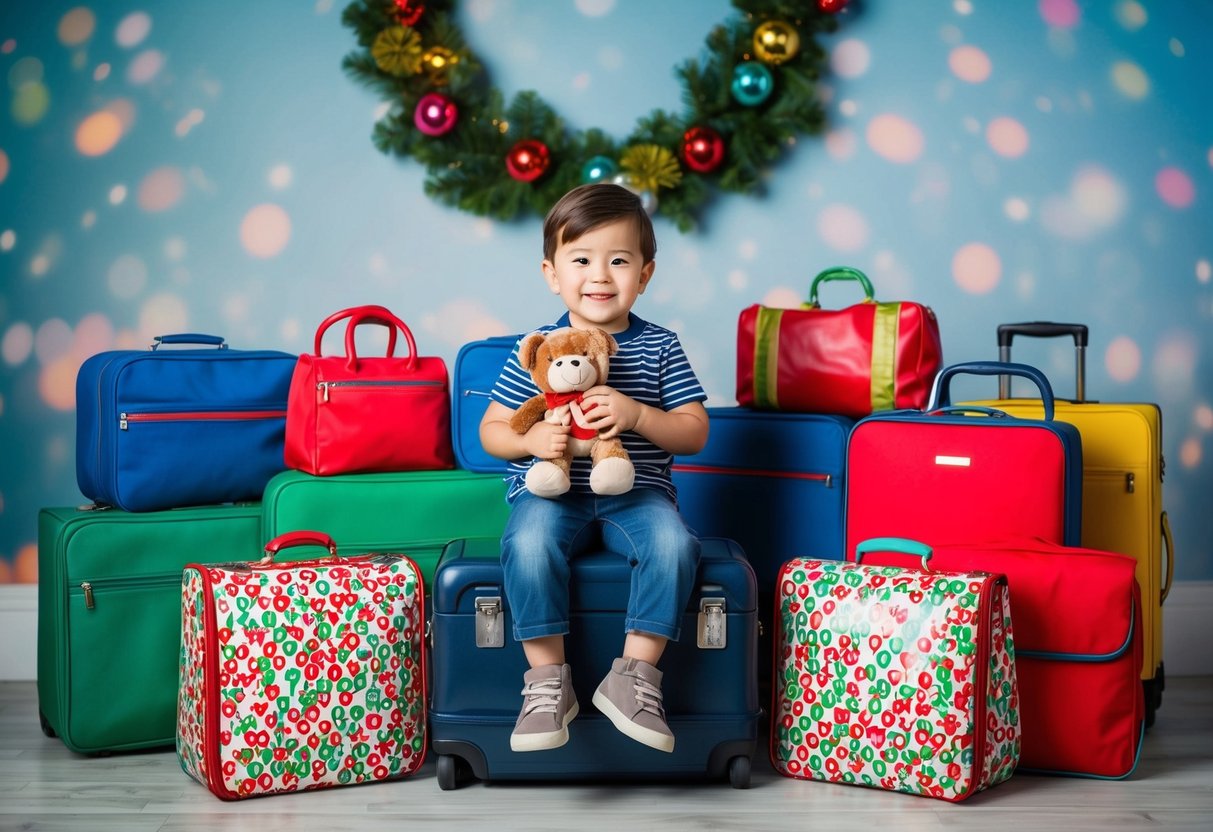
[207,167]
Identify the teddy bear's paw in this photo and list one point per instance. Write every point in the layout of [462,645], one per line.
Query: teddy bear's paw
[545,479]
[613,475]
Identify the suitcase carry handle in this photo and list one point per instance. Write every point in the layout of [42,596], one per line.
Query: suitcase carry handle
[900,545]
[1045,329]
[1169,543]
[941,395]
[387,319]
[349,313]
[993,413]
[839,273]
[189,338]
[299,538]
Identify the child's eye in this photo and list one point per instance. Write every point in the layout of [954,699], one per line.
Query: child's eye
[619,261]
[582,261]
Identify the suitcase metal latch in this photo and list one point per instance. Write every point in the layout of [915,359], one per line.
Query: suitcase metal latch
[490,623]
[711,632]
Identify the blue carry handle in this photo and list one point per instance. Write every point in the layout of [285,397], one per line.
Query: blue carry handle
[941,394]
[900,545]
[189,338]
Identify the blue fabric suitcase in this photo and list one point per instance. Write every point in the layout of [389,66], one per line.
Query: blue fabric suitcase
[168,428]
[710,684]
[477,367]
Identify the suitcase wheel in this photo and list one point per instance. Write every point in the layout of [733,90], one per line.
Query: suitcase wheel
[47,730]
[739,772]
[451,770]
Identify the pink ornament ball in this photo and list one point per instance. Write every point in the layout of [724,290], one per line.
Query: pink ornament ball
[435,114]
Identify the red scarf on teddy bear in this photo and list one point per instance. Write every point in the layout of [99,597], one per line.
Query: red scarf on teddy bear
[555,400]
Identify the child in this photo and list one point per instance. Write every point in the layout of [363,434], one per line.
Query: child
[598,249]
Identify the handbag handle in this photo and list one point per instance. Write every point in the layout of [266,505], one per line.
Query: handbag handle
[900,545]
[379,312]
[299,538]
[379,316]
[839,273]
[941,394]
[189,338]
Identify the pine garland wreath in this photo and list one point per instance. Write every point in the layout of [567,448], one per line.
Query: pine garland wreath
[410,49]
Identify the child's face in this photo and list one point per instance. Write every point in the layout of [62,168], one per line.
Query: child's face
[599,275]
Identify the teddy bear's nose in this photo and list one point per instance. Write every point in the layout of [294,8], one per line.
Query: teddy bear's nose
[575,362]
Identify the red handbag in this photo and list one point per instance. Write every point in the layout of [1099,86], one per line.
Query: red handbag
[849,362]
[347,413]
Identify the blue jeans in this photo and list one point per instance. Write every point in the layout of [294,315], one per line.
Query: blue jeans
[642,525]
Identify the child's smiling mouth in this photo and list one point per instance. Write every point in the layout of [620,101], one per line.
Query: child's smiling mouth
[598,296]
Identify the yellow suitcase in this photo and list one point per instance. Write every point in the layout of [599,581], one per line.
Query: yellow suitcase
[1123,467]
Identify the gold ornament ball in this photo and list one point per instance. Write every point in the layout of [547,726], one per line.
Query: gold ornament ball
[437,62]
[776,42]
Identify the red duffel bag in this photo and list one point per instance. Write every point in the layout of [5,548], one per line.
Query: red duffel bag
[850,362]
[347,413]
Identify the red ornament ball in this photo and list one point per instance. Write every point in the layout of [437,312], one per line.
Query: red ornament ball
[435,114]
[832,6]
[408,12]
[702,149]
[528,160]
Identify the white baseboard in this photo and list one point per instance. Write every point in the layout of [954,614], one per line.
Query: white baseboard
[1187,624]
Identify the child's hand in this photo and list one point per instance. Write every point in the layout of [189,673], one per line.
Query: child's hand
[546,440]
[613,412]
[558,416]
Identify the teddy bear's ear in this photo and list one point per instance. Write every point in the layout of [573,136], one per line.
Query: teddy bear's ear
[602,346]
[529,349]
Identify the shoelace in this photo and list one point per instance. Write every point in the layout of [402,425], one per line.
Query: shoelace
[649,697]
[543,696]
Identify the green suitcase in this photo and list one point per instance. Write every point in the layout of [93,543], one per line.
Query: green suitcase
[109,616]
[413,512]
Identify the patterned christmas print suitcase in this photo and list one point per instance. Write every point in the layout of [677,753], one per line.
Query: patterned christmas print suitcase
[710,686]
[301,676]
[895,678]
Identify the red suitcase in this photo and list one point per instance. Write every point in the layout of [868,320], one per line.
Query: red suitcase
[964,473]
[301,675]
[1078,646]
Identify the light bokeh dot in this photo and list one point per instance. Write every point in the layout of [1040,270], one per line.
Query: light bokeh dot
[783,297]
[98,133]
[17,344]
[976,268]
[117,195]
[133,29]
[25,565]
[1204,270]
[850,58]
[842,227]
[1122,359]
[581,81]
[595,8]
[39,265]
[1131,15]
[895,138]
[161,189]
[57,383]
[969,63]
[1016,209]
[738,279]
[88,219]
[145,66]
[612,58]
[1191,453]
[8,239]
[4,166]
[93,334]
[1007,137]
[8,47]
[747,249]
[1173,367]
[76,26]
[962,7]
[1062,14]
[30,103]
[1098,196]
[1174,187]
[188,122]
[175,248]
[841,143]
[25,72]
[281,176]
[1130,80]
[127,277]
[265,230]
[1202,416]
[162,314]
[52,340]
[101,72]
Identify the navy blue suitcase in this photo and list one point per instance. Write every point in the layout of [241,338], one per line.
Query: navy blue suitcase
[709,686]
[167,428]
[477,367]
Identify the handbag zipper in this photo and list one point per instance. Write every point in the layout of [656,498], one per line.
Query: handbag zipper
[982,682]
[90,589]
[826,479]
[124,419]
[325,386]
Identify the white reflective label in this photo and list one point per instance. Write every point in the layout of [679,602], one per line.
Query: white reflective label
[962,461]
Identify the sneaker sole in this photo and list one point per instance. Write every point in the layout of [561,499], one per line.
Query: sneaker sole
[642,735]
[547,741]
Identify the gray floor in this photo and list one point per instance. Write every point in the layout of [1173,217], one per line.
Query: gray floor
[45,787]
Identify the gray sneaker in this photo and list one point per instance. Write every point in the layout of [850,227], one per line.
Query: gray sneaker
[630,696]
[548,706]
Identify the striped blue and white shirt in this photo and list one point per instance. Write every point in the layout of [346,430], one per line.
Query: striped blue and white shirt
[650,366]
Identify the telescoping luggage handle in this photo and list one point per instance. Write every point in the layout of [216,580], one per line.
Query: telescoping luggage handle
[941,396]
[839,273]
[189,338]
[899,545]
[1045,329]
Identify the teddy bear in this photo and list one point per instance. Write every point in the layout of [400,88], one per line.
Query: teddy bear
[565,363]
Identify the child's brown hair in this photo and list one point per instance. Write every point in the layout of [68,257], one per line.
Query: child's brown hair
[587,207]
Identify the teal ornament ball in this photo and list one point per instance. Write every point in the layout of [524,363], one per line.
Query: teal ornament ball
[752,83]
[598,169]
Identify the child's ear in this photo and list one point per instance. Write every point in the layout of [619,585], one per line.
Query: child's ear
[549,275]
[646,274]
